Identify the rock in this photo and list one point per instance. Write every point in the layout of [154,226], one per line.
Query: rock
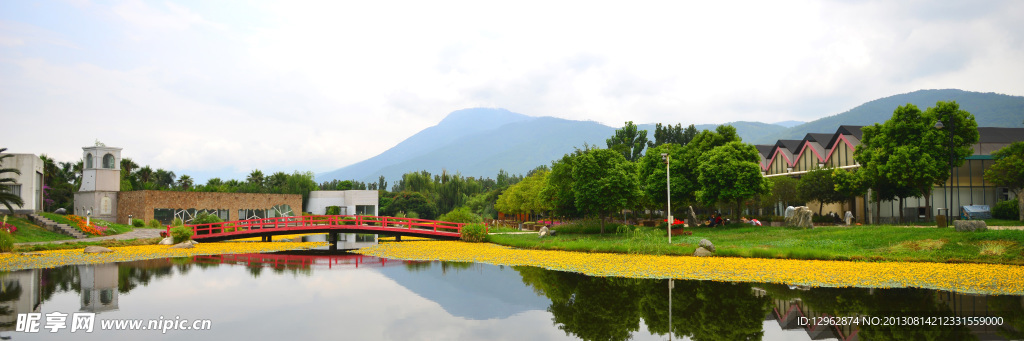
[554,233]
[800,217]
[31,253]
[166,241]
[544,232]
[970,225]
[61,211]
[193,242]
[96,249]
[789,212]
[706,244]
[183,245]
[702,252]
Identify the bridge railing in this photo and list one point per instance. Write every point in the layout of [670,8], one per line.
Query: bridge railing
[389,223]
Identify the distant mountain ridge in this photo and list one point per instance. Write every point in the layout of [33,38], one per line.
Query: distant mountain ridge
[480,141]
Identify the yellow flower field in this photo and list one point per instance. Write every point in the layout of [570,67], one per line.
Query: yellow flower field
[967,278]
[49,259]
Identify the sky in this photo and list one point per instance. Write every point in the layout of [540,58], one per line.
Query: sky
[219,88]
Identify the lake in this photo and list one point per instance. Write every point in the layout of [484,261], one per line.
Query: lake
[334,295]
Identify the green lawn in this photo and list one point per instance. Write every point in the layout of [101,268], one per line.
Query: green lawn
[29,232]
[112,227]
[872,243]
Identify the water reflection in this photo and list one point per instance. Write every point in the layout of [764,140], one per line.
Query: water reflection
[310,293]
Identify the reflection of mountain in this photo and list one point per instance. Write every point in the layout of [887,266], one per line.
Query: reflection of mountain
[471,291]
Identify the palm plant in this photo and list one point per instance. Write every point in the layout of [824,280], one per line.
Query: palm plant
[6,196]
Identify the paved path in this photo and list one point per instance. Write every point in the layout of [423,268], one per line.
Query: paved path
[133,234]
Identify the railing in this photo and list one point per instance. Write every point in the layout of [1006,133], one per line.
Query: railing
[340,222]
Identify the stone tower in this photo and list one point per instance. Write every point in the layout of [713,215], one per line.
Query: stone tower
[101,180]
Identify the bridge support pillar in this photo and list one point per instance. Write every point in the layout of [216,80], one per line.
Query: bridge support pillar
[332,238]
[267,238]
[398,238]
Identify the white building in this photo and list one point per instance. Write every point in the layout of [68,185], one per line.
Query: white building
[29,184]
[353,202]
[101,180]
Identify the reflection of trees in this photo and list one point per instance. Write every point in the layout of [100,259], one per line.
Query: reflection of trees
[601,308]
[130,275]
[900,302]
[1012,311]
[59,279]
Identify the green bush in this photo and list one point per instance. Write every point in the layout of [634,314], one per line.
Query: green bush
[181,233]
[461,215]
[153,223]
[474,233]
[138,222]
[6,241]
[177,222]
[1006,209]
[333,210]
[412,215]
[205,218]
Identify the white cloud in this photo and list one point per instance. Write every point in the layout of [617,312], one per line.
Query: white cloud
[224,86]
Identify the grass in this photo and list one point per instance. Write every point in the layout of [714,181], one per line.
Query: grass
[29,232]
[112,228]
[867,243]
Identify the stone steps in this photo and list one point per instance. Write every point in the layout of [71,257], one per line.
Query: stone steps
[55,227]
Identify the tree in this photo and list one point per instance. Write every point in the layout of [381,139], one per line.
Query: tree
[604,182]
[558,189]
[412,202]
[817,185]
[690,160]
[525,196]
[255,178]
[1008,171]
[783,191]
[8,198]
[185,182]
[651,174]
[730,173]
[628,141]
[672,134]
[906,155]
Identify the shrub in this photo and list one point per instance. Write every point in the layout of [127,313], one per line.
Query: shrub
[412,215]
[6,242]
[205,218]
[181,233]
[474,233]
[1006,209]
[461,215]
[153,223]
[333,210]
[177,222]
[138,222]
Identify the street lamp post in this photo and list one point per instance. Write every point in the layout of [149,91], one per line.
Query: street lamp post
[668,193]
[952,125]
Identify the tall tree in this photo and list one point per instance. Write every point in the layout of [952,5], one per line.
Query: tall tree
[255,178]
[1008,171]
[730,173]
[651,174]
[672,134]
[185,182]
[628,141]
[7,198]
[605,182]
[690,160]
[558,189]
[784,191]
[817,185]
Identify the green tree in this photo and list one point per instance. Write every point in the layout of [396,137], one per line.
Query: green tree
[255,179]
[605,182]
[1008,171]
[185,182]
[525,196]
[818,185]
[730,173]
[672,134]
[651,174]
[412,202]
[784,191]
[558,190]
[628,141]
[690,160]
[7,198]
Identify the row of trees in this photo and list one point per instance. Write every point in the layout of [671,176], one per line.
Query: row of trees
[712,167]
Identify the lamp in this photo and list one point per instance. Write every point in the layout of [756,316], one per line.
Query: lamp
[668,194]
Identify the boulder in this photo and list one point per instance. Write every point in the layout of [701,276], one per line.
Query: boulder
[61,211]
[706,244]
[166,241]
[193,242]
[183,245]
[970,225]
[702,252]
[96,249]
[800,217]
[789,212]
[544,232]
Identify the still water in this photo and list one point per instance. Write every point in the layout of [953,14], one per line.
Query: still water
[320,295]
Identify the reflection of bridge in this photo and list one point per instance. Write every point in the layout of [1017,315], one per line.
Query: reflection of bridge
[302,261]
[269,227]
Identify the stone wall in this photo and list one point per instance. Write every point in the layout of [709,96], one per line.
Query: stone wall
[140,204]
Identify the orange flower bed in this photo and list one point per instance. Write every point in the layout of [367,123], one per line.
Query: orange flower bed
[90,228]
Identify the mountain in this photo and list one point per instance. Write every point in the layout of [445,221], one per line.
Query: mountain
[479,142]
[989,109]
[789,124]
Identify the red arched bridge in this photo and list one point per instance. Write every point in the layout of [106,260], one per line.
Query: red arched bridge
[330,224]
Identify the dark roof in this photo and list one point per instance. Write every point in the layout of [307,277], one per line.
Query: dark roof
[844,130]
[791,145]
[1000,135]
[764,149]
[819,138]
